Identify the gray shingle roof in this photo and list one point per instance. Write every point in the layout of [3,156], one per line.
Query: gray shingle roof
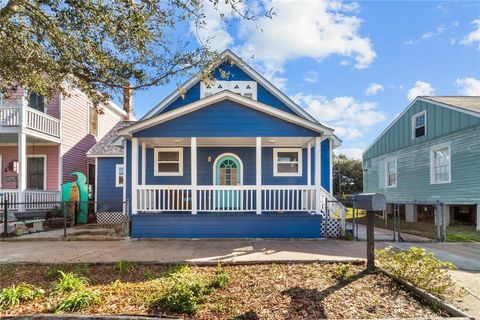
[107,145]
[470,103]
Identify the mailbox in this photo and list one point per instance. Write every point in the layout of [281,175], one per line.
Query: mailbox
[370,201]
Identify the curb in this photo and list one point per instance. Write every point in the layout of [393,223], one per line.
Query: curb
[449,308]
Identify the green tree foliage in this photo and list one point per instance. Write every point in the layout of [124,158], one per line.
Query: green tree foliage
[347,176]
[102,46]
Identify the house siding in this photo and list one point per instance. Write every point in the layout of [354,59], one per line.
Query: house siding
[10,153]
[231,225]
[413,173]
[76,140]
[106,188]
[234,74]
[440,122]
[226,119]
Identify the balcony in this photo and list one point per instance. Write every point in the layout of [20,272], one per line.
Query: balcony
[33,120]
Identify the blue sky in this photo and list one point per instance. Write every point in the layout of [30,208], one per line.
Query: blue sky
[327,54]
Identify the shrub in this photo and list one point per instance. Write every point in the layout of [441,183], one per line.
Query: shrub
[221,278]
[343,271]
[185,292]
[419,267]
[77,301]
[125,267]
[68,282]
[14,295]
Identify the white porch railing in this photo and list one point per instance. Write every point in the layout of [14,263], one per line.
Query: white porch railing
[157,198]
[9,116]
[33,199]
[42,122]
[11,195]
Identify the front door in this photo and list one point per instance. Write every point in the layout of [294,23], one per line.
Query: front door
[227,173]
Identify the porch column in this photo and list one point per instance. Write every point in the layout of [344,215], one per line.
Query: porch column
[134,174]
[309,163]
[318,173]
[193,153]
[22,166]
[144,163]
[259,174]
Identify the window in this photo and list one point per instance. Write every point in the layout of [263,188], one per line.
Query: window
[119,175]
[168,161]
[287,162]
[245,88]
[92,120]
[36,172]
[36,101]
[440,164]
[391,173]
[419,124]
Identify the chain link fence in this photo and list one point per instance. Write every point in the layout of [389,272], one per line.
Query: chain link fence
[415,221]
[64,220]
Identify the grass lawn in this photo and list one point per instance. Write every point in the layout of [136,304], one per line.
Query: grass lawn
[285,291]
[463,233]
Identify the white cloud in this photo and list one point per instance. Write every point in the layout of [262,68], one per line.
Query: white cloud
[428,35]
[468,86]
[311,76]
[312,29]
[352,153]
[474,36]
[373,89]
[346,115]
[214,32]
[421,88]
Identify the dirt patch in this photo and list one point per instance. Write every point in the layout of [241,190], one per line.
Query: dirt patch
[270,291]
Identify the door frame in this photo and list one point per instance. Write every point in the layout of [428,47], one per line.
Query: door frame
[45,166]
[219,157]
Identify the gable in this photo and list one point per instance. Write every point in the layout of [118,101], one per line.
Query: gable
[225,118]
[440,121]
[235,73]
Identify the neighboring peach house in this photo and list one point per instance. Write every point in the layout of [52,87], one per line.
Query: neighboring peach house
[42,142]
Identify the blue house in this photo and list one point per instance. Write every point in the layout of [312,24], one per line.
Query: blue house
[232,157]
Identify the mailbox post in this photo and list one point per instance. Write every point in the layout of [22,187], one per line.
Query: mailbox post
[371,203]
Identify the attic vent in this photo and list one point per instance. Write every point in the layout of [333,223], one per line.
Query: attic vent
[247,89]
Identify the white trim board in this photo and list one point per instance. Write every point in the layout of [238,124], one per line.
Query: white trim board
[227,95]
[228,54]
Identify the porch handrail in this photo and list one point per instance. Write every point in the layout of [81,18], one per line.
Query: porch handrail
[9,115]
[42,122]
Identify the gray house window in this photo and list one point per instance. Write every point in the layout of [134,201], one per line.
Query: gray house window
[419,124]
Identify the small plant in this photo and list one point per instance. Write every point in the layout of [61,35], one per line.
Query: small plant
[125,267]
[14,295]
[187,290]
[77,301]
[221,278]
[68,282]
[418,267]
[343,271]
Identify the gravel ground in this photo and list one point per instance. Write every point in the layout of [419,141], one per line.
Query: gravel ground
[267,291]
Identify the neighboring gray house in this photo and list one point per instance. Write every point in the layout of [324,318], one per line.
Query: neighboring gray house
[430,152]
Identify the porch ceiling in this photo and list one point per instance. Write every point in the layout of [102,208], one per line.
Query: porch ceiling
[227,141]
[12,139]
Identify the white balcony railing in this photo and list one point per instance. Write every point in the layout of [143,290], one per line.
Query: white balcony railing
[158,198]
[10,116]
[42,122]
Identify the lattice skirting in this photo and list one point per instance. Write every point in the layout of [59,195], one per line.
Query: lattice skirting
[330,228]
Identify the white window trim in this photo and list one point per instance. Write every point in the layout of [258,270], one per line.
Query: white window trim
[287,174]
[432,162]
[44,156]
[386,172]
[414,125]
[180,162]
[117,175]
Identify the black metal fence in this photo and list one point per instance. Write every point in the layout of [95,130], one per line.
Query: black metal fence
[415,221]
[64,220]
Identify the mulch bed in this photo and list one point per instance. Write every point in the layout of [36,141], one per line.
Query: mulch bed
[269,291]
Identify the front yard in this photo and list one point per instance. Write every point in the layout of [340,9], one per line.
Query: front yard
[273,291]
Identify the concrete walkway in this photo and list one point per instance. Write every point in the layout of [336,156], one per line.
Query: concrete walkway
[177,251]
